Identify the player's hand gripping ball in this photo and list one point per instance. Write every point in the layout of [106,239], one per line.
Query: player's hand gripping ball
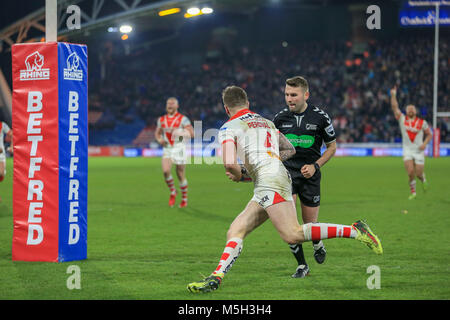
[244,175]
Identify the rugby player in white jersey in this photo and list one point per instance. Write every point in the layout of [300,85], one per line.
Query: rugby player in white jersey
[416,134]
[171,132]
[4,131]
[256,141]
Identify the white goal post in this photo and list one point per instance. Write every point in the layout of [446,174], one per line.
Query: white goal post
[437,4]
[51,20]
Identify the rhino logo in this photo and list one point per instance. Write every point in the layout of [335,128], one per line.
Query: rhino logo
[34,68]
[34,61]
[73,62]
[72,71]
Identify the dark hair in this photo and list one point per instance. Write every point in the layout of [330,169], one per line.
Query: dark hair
[234,96]
[297,82]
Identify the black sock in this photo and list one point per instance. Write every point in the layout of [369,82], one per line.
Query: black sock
[297,251]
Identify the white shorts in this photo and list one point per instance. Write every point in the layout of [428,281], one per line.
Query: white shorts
[417,156]
[272,190]
[177,154]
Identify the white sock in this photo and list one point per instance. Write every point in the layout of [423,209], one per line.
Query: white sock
[412,186]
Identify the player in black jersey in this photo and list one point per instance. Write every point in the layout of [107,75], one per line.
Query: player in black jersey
[307,128]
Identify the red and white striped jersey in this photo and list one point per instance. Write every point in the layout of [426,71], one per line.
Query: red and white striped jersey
[412,132]
[169,124]
[256,140]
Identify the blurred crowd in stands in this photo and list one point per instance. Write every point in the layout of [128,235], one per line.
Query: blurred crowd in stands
[349,81]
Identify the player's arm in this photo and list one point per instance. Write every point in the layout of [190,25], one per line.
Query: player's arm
[229,157]
[186,131]
[181,134]
[308,170]
[287,150]
[159,134]
[189,130]
[329,138]
[428,137]
[327,154]
[394,103]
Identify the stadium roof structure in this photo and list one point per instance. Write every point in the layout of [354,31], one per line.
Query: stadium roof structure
[93,13]
[97,13]
[100,13]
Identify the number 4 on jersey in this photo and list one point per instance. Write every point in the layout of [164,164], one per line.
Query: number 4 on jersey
[268,143]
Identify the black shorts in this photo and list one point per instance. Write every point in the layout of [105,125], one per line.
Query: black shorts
[308,190]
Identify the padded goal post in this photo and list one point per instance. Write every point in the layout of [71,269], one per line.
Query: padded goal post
[50,120]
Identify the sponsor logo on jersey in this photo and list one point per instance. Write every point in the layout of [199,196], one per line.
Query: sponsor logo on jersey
[34,71]
[311,126]
[303,141]
[247,116]
[330,130]
[264,199]
[299,120]
[287,125]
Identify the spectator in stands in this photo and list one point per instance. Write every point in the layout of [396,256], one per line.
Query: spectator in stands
[353,88]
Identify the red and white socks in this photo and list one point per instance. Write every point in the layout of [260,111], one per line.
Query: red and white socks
[321,231]
[412,186]
[184,192]
[173,192]
[170,183]
[233,249]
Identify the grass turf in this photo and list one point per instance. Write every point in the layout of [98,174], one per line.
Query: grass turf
[139,248]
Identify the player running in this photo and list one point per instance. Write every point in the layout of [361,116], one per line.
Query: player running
[4,131]
[171,131]
[306,127]
[413,130]
[257,142]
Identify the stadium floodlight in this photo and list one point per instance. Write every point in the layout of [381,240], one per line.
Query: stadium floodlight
[126,29]
[112,29]
[207,10]
[187,15]
[193,11]
[168,12]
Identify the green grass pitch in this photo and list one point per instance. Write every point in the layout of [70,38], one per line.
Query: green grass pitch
[139,248]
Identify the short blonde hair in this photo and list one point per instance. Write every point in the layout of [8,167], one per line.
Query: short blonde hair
[172,98]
